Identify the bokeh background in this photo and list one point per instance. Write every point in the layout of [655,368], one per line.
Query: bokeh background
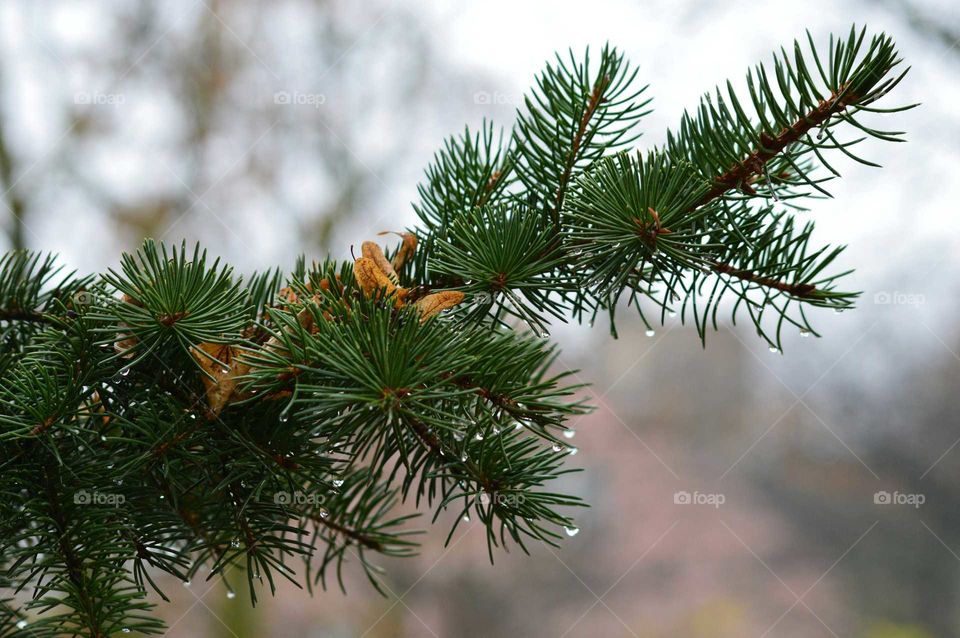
[268,128]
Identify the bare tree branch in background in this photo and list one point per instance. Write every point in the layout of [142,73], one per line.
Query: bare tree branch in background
[185,105]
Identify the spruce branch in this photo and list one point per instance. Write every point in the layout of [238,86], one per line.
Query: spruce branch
[574,115]
[169,416]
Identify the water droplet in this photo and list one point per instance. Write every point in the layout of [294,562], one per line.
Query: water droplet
[671,314]
[235,543]
[464,457]
[21,624]
[572,451]
[774,349]
[231,594]
[495,430]
[571,531]
[338,482]
[557,447]
[125,630]
[284,417]
[186,583]
[804,333]
[569,434]
[324,512]
[478,436]
[518,426]
[125,372]
[650,332]
[466,518]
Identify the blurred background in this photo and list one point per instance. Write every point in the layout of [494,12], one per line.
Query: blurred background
[265,129]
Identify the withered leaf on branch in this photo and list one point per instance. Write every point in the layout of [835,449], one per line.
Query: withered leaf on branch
[371,250]
[407,248]
[437,302]
[372,280]
[222,367]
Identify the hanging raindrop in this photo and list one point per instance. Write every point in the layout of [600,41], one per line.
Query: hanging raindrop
[231,594]
[338,482]
[650,332]
[571,531]
[569,434]
[557,447]
[804,333]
